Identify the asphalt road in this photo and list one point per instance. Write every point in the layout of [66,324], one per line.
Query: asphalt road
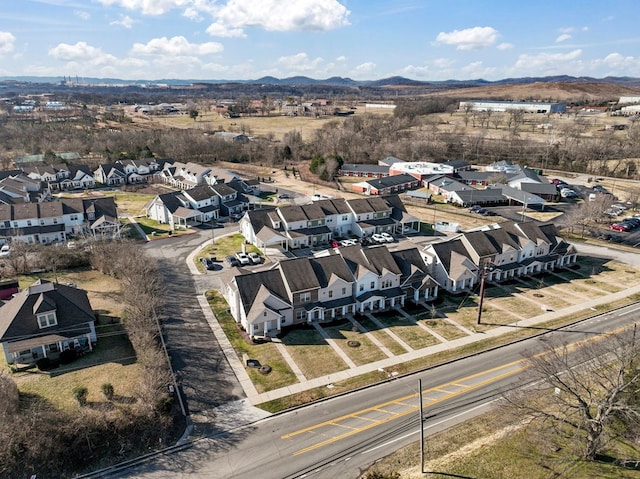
[204,375]
[340,437]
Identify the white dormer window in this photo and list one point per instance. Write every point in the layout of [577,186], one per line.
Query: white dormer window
[47,320]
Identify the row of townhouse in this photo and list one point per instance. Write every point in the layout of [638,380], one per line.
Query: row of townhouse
[199,204]
[62,177]
[300,226]
[55,221]
[501,251]
[352,280]
[17,187]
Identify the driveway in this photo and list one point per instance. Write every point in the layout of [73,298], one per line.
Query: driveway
[206,378]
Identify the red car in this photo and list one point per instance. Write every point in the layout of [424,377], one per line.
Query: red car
[620,227]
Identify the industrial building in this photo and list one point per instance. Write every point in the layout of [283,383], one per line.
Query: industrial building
[502,106]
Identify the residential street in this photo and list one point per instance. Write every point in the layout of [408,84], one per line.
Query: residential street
[202,370]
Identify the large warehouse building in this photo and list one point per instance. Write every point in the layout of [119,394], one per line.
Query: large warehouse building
[526,106]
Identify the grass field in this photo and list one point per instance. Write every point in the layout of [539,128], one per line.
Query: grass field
[281,374]
[311,353]
[366,353]
[112,361]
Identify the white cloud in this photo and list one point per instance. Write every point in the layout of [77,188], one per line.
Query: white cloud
[83,15]
[477,70]
[79,51]
[505,46]
[341,58]
[125,21]
[148,7]
[220,30]
[299,62]
[546,63]
[175,46]
[470,38]
[7,41]
[563,37]
[365,68]
[277,15]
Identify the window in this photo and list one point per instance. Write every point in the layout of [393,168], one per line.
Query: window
[28,222]
[362,287]
[305,297]
[330,294]
[373,284]
[46,320]
[41,222]
[344,290]
[386,283]
[53,348]
[300,315]
[264,314]
[345,217]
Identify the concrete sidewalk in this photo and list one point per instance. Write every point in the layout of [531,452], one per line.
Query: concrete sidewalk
[385,365]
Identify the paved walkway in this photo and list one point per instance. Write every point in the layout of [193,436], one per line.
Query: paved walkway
[385,365]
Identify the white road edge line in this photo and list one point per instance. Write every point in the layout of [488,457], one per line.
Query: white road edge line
[433,425]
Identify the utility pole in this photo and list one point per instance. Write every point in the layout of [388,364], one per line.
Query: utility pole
[421,427]
[483,278]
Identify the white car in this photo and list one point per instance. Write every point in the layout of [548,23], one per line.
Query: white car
[5,250]
[243,258]
[378,238]
[255,258]
[387,237]
[348,242]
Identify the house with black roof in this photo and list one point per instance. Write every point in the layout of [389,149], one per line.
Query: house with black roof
[45,319]
[387,185]
[359,170]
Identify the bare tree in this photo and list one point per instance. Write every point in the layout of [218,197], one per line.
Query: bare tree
[585,393]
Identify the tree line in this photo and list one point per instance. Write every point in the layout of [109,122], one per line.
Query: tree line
[39,438]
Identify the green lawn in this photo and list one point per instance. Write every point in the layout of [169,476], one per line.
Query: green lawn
[390,343]
[311,353]
[366,353]
[281,374]
[406,330]
[227,245]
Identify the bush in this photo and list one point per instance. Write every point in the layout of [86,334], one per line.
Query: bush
[44,364]
[67,356]
[80,394]
[107,390]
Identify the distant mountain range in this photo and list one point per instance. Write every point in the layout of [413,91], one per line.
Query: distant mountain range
[395,81]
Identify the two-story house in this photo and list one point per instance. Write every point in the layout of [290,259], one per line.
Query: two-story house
[371,215]
[232,203]
[302,287]
[377,277]
[259,302]
[204,199]
[110,174]
[451,265]
[415,280]
[339,218]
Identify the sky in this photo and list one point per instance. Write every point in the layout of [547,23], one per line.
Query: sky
[360,39]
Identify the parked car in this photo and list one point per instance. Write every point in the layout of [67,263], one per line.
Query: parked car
[378,238]
[348,242]
[335,244]
[481,211]
[208,263]
[567,193]
[232,261]
[620,227]
[284,196]
[475,208]
[387,237]
[5,250]
[243,259]
[255,258]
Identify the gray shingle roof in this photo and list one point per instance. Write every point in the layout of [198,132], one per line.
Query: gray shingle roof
[299,274]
